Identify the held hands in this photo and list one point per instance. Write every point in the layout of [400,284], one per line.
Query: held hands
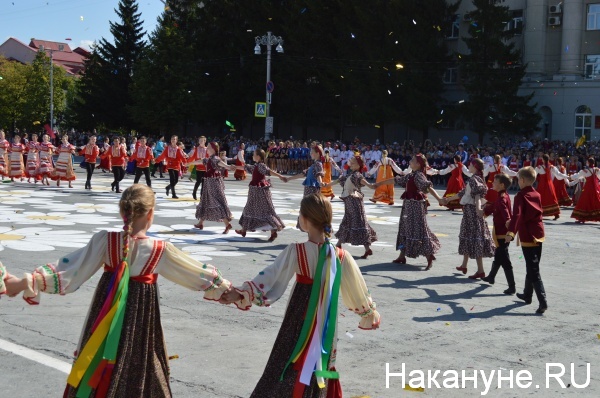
[14,285]
[480,213]
[230,296]
[282,178]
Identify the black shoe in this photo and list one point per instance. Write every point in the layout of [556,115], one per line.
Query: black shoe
[510,291]
[521,296]
[175,197]
[541,309]
[152,175]
[488,280]
[168,188]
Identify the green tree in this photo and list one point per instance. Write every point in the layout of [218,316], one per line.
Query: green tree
[492,72]
[107,92]
[13,79]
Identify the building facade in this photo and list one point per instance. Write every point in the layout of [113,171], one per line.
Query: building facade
[560,43]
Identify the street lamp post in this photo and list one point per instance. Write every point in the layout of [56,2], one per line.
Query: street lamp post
[268,40]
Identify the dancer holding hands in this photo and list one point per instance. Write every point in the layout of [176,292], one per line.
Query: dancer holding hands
[354,228]
[414,236]
[259,212]
[475,240]
[122,350]
[174,157]
[302,362]
[456,183]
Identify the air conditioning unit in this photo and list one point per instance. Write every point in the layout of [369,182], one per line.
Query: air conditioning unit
[468,18]
[553,21]
[557,9]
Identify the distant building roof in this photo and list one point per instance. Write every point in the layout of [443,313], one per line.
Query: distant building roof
[62,55]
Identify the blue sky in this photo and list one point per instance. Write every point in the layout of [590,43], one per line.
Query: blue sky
[83,21]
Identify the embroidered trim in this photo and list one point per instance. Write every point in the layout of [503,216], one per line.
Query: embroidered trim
[158,249]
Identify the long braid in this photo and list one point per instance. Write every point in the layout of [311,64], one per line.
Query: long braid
[127,222]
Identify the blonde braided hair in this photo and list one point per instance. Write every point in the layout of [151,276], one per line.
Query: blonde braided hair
[136,201]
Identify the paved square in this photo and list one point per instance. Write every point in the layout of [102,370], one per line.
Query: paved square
[435,320]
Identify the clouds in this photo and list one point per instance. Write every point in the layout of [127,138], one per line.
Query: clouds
[87,44]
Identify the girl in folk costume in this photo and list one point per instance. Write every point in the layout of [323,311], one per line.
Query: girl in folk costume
[240,162]
[545,173]
[383,168]
[90,153]
[560,185]
[33,159]
[143,156]
[64,164]
[328,165]
[271,149]
[354,228]
[302,362]
[105,161]
[490,172]
[15,159]
[174,157]
[224,159]
[122,352]
[414,236]
[475,239]
[259,212]
[314,175]
[46,162]
[588,206]
[456,182]
[4,144]
[527,161]
[514,166]
[196,155]
[213,203]
[117,155]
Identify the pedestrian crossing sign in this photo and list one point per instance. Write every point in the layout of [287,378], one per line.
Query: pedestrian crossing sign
[260,109]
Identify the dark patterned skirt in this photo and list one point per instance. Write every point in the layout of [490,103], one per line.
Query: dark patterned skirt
[475,239]
[141,368]
[269,385]
[259,212]
[355,228]
[213,203]
[414,235]
[311,190]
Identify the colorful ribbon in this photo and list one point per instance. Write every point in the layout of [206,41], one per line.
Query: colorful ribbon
[93,367]
[315,343]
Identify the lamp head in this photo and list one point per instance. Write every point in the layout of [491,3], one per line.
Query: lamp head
[279,48]
[257,49]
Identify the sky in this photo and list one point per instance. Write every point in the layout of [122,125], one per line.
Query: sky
[82,21]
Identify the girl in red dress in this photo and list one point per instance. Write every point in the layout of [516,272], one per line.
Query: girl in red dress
[15,158]
[117,155]
[46,163]
[105,161]
[64,164]
[174,157]
[240,163]
[588,206]
[33,161]
[560,185]
[456,182]
[546,188]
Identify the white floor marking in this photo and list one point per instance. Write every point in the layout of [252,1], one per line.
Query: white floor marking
[35,356]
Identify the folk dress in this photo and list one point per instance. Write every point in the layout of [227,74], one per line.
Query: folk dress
[414,235]
[141,368]
[240,175]
[354,228]
[328,165]
[588,205]
[213,204]
[4,167]
[560,188]
[456,183]
[64,164]
[46,167]
[545,187]
[383,168]
[475,239]
[33,160]
[259,212]
[311,184]
[15,158]
[299,262]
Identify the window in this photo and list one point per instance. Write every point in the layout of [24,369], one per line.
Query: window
[515,24]
[592,67]
[451,75]
[593,17]
[583,121]
[453,27]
